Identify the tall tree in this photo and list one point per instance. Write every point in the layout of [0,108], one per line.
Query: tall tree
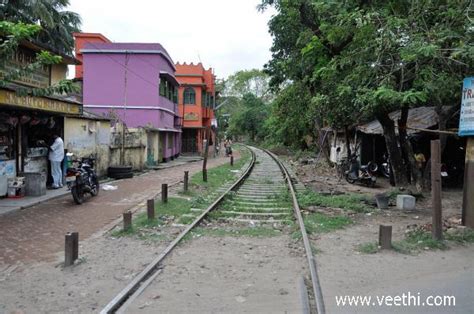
[363,59]
[57,24]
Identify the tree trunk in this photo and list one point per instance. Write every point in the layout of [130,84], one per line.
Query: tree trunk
[444,114]
[348,142]
[398,167]
[406,145]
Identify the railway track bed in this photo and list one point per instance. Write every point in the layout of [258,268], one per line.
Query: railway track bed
[238,254]
[253,268]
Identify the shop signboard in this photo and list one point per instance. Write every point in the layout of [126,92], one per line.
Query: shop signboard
[191,116]
[466,120]
[10,98]
[21,58]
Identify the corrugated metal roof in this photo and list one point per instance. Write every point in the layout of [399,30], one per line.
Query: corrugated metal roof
[420,118]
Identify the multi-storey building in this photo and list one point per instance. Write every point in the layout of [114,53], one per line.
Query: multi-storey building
[133,83]
[196,101]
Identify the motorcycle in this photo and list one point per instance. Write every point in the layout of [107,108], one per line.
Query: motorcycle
[364,174]
[82,179]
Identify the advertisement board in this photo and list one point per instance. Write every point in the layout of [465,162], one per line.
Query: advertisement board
[466,119]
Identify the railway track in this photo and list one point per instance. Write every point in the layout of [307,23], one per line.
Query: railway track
[263,196]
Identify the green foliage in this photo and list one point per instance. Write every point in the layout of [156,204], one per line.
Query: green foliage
[419,240]
[250,120]
[56,23]
[416,241]
[12,34]
[289,124]
[355,202]
[321,223]
[217,176]
[359,59]
[368,248]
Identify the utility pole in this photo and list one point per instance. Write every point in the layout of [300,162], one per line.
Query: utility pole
[122,151]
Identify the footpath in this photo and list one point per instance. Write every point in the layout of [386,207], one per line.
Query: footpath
[36,233]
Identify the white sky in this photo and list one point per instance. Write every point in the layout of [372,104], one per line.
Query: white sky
[228,35]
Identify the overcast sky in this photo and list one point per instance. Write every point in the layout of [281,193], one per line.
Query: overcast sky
[228,35]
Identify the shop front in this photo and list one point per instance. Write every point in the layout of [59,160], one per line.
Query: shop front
[26,124]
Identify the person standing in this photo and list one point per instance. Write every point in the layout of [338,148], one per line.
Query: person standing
[56,156]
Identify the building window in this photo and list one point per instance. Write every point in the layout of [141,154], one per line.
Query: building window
[170,140]
[162,87]
[189,96]
[175,95]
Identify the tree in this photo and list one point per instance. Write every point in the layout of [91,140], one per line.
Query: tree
[252,81]
[289,125]
[245,96]
[11,35]
[249,121]
[364,59]
[57,24]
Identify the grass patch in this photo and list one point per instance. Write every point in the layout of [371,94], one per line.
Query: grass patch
[174,210]
[368,248]
[419,240]
[217,176]
[416,241]
[316,223]
[460,236]
[353,202]
[321,223]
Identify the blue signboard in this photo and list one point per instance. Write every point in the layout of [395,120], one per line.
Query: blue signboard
[466,120]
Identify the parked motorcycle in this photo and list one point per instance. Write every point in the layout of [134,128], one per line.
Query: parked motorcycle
[364,174]
[81,179]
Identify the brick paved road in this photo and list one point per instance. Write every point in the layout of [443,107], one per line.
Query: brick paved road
[37,234]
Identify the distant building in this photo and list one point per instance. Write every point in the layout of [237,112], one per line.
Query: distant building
[196,105]
[134,84]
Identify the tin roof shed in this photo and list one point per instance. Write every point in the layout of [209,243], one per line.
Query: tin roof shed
[419,118]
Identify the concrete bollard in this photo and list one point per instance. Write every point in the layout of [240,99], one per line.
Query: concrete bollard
[186,181]
[385,237]
[71,249]
[150,209]
[406,202]
[127,221]
[164,193]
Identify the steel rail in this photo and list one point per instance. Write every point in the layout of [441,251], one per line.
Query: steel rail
[318,295]
[141,279]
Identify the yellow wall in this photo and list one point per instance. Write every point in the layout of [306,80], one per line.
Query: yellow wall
[88,137]
[58,73]
[135,148]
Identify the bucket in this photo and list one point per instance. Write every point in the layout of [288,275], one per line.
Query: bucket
[382,201]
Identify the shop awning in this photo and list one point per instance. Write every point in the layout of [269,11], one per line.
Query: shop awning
[49,104]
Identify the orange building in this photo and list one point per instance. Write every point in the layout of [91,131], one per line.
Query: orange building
[196,102]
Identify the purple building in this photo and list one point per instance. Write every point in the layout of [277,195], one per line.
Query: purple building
[135,83]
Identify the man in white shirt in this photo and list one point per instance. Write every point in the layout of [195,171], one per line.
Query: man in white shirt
[56,155]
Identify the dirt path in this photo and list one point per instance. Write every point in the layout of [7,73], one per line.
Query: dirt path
[344,271]
[231,275]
